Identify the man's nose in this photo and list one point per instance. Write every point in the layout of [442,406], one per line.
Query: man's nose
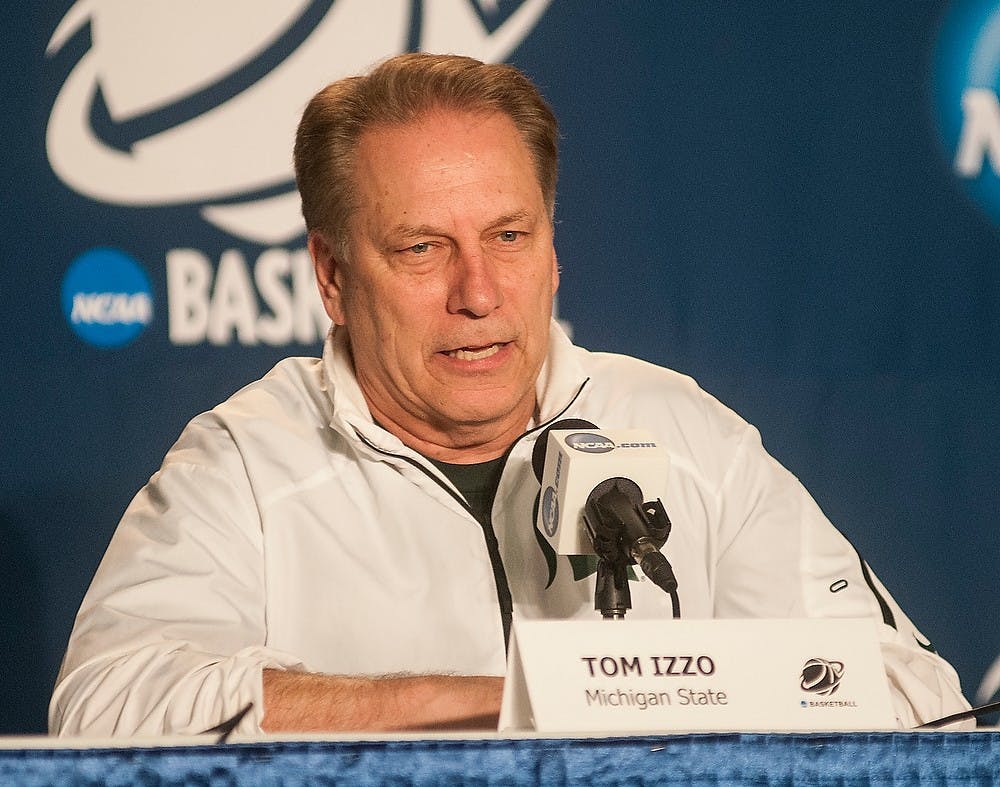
[475,289]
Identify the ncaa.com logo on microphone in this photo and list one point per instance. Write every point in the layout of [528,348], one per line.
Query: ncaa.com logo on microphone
[189,109]
[590,443]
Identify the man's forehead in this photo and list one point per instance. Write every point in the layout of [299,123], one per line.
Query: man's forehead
[439,155]
[438,120]
[418,177]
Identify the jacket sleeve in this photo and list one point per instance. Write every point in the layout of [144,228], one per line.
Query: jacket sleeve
[170,637]
[780,557]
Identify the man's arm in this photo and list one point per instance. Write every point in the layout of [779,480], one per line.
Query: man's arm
[305,702]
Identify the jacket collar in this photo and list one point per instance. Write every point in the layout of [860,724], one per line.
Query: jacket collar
[562,378]
[350,410]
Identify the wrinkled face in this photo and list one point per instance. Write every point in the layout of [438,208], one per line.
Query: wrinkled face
[446,291]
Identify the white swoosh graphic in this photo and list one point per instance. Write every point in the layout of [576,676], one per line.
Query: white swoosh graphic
[245,144]
[242,145]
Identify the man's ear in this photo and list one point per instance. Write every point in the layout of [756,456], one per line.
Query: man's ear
[329,275]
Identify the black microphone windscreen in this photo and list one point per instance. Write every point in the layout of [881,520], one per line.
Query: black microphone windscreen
[538,454]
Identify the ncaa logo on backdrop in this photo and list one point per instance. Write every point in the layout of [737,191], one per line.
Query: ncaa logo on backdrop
[106,298]
[183,103]
[966,87]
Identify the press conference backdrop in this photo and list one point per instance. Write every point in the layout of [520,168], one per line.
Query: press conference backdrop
[796,204]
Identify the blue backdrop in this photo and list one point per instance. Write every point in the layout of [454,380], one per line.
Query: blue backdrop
[766,196]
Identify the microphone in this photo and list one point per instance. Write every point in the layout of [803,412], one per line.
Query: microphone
[591,503]
[614,510]
[540,452]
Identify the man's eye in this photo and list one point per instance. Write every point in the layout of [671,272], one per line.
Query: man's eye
[509,236]
[420,248]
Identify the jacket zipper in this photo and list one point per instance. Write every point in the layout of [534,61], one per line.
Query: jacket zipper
[489,535]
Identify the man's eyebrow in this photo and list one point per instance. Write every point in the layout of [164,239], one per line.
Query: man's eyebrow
[403,231]
[413,230]
[511,218]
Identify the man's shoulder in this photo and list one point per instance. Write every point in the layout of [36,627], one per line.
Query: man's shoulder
[289,400]
[631,390]
[292,387]
[641,377]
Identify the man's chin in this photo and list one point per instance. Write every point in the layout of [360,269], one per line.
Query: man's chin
[475,413]
[471,418]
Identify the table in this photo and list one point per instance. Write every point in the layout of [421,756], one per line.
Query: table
[736,758]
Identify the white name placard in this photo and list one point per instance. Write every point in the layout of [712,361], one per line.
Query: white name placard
[695,675]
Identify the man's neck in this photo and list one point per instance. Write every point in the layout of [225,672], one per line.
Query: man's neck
[459,444]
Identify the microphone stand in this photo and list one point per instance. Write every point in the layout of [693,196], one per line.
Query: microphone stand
[625,531]
[612,595]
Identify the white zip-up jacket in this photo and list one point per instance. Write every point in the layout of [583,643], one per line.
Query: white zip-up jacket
[286,530]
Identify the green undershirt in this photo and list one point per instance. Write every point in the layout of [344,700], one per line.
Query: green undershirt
[478,484]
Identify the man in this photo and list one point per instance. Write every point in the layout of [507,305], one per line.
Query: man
[345,542]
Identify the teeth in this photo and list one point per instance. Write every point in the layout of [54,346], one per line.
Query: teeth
[475,355]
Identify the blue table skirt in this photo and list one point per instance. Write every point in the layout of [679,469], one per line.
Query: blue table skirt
[708,759]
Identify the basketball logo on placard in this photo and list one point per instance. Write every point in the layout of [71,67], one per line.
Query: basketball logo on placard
[820,676]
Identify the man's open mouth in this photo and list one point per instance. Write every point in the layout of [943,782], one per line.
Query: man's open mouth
[475,353]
